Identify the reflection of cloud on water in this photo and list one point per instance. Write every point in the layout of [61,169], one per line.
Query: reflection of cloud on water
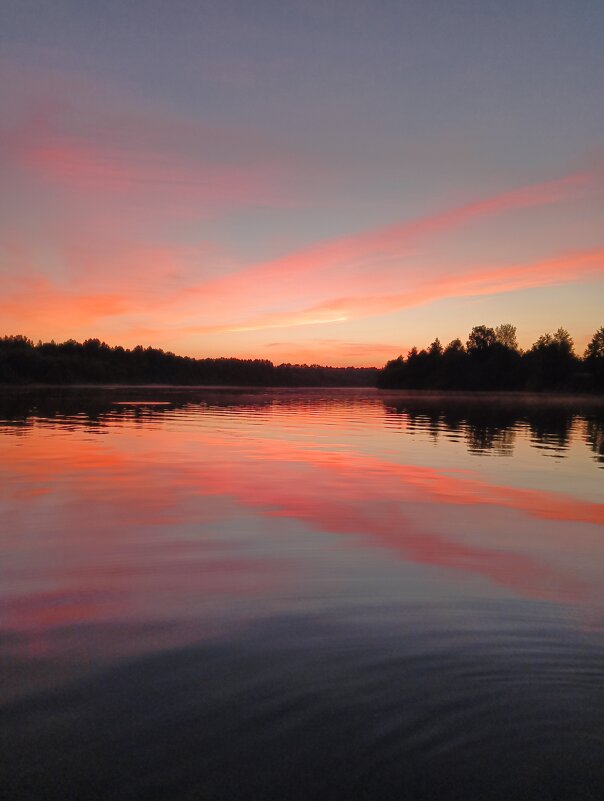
[116,508]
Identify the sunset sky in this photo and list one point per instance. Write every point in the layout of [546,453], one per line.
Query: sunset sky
[301,181]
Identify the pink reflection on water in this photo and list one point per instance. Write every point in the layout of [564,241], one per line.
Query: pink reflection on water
[356,494]
[132,527]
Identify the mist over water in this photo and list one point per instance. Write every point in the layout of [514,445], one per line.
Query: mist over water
[317,594]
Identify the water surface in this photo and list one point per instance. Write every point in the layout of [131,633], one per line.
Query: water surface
[212,594]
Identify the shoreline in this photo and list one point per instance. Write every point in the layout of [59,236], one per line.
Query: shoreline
[418,394]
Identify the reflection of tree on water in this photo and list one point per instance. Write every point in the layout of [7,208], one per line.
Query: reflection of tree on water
[551,430]
[90,407]
[480,431]
[492,424]
[595,437]
[486,424]
[500,441]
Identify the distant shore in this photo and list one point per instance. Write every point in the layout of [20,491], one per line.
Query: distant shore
[425,395]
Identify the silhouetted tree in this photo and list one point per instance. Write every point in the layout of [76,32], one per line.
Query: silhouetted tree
[454,366]
[551,361]
[480,339]
[493,364]
[595,348]
[393,374]
[505,334]
[436,349]
[594,359]
[455,346]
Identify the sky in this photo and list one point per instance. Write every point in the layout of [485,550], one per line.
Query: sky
[324,182]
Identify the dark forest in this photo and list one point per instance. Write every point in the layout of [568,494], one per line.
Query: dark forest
[490,360]
[95,362]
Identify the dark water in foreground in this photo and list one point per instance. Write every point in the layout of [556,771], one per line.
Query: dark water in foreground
[300,595]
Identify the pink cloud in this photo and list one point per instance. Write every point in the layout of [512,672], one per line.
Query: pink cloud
[489,281]
[100,262]
[87,167]
[376,252]
[104,145]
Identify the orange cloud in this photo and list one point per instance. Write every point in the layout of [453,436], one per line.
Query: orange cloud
[37,303]
[489,281]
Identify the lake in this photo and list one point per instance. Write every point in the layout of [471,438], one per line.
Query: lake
[310,594]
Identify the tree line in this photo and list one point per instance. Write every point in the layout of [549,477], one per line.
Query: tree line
[95,362]
[489,360]
[492,360]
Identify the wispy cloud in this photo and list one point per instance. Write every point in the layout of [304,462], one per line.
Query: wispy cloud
[488,281]
[379,247]
[306,286]
[107,147]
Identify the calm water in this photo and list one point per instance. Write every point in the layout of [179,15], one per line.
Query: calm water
[300,595]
